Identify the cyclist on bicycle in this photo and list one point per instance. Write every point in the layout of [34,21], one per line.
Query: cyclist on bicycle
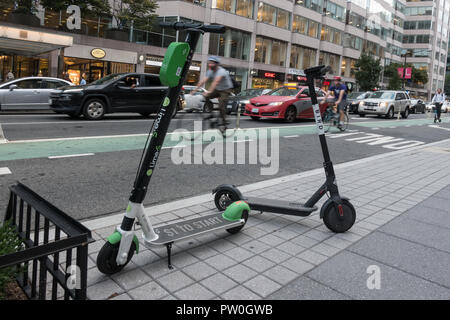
[220,88]
[339,90]
[438,100]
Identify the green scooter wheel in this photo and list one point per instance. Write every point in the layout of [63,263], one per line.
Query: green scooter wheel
[106,259]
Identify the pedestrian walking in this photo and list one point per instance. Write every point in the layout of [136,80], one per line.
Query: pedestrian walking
[438,100]
[83,79]
[10,76]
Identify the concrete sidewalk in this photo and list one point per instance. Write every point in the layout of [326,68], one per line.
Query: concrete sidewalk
[402,229]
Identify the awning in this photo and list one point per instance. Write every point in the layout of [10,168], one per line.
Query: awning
[27,42]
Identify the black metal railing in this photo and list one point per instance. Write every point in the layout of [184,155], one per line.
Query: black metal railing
[47,233]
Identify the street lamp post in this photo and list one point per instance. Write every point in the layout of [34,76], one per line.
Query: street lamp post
[406,53]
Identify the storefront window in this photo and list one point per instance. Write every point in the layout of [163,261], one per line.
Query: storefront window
[94,69]
[22,66]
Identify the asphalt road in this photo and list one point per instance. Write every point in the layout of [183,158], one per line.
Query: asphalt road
[99,182]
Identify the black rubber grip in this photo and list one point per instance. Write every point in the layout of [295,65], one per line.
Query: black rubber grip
[318,70]
[212,28]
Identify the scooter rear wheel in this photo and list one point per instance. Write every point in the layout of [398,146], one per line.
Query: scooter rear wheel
[106,259]
[237,229]
[334,222]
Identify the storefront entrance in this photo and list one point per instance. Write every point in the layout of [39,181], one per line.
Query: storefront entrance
[22,66]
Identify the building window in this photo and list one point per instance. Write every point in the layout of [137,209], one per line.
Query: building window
[331,60]
[231,44]
[305,26]
[302,58]
[418,11]
[274,16]
[334,11]
[315,5]
[331,35]
[270,51]
[242,8]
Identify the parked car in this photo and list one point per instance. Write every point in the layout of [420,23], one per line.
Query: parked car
[444,108]
[243,97]
[196,101]
[417,106]
[120,92]
[386,103]
[355,98]
[288,103]
[29,93]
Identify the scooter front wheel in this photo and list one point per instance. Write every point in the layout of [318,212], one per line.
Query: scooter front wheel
[237,229]
[106,259]
[336,222]
[224,198]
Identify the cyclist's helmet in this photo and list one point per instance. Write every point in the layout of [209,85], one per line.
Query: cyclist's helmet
[214,59]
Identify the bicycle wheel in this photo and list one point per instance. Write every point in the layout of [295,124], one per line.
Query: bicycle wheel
[345,125]
[328,120]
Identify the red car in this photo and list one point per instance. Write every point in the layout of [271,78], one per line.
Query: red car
[288,103]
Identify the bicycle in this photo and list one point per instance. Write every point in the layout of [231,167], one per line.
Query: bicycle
[331,119]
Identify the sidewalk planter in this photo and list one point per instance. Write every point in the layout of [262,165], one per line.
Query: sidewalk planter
[55,245]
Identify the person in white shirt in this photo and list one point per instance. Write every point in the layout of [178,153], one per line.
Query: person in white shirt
[438,100]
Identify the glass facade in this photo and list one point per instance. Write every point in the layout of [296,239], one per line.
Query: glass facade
[242,8]
[302,57]
[274,16]
[231,44]
[270,51]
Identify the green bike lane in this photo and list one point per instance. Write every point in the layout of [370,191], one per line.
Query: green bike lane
[29,149]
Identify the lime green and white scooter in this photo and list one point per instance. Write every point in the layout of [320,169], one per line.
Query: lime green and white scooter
[121,245]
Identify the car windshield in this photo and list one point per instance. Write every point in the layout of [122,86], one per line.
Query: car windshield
[107,79]
[284,91]
[356,95]
[382,95]
[250,92]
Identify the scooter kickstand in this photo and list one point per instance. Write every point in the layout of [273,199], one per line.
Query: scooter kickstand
[169,255]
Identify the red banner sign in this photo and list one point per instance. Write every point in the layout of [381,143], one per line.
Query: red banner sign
[408,73]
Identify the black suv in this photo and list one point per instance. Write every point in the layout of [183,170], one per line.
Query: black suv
[120,92]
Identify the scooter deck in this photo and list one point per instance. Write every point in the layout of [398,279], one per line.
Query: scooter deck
[280,206]
[183,230]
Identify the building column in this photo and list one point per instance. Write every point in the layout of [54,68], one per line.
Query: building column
[53,58]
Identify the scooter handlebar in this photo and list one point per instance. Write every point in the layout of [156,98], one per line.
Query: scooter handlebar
[318,71]
[211,28]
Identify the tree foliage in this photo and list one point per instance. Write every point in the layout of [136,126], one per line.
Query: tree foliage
[369,70]
[86,6]
[9,243]
[139,13]
[418,76]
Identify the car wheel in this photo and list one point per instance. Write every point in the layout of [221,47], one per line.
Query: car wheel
[390,113]
[290,115]
[94,109]
[255,118]
[405,114]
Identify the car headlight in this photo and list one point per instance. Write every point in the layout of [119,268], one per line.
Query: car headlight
[361,103]
[245,101]
[383,104]
[275,103]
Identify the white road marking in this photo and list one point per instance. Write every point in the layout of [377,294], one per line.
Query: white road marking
[4,171]
[72,155]
[438,127]
[295,136]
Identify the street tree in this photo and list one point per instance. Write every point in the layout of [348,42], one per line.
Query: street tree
[137,13]
[368,72]
[87,7]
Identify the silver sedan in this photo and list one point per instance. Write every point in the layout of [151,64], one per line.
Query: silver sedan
[29,93]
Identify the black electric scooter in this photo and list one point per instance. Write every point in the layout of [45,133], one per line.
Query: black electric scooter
[337,212]
[123,242]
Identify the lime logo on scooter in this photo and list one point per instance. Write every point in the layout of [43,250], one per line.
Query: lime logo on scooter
[166,102]
[318,119]
[155,158]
